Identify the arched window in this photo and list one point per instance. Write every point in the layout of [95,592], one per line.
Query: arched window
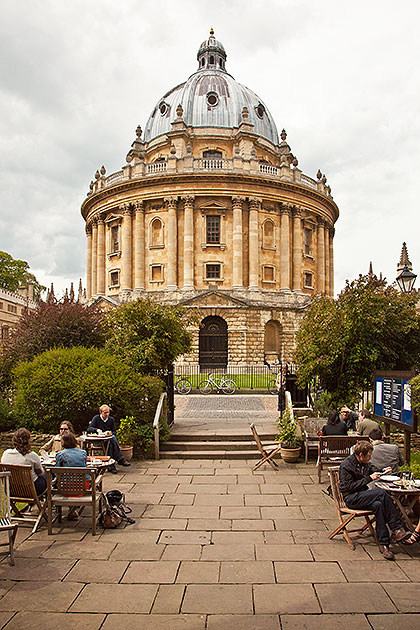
[156,233]
[213,342]
[212,155]
[268,234]
[272,339]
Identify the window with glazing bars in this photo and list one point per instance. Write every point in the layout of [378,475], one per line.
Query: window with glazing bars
[212,271]
[213,228]
[115,240]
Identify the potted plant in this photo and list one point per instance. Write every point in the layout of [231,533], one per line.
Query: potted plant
[288,437]
[128,436]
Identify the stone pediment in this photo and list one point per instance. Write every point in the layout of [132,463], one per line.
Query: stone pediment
[214,298]
[213,205]
[105,303]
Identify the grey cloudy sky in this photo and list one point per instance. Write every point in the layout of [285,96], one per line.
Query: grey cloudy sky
[77,77]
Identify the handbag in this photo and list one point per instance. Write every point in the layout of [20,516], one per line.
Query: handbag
[115,511]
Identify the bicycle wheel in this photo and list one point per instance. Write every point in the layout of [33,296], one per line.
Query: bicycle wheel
[228,387]
[272,387]
[205,387]
[183,386]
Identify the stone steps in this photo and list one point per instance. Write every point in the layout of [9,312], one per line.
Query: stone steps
[212,446]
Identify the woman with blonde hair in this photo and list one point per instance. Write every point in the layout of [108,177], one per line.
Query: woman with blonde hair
[22,453]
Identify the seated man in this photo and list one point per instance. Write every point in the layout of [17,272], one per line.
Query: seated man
[365,424]
[355,475]
[384,455]
[104,422]
[349,417]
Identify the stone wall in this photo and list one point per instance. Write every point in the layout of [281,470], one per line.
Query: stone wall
[37,440]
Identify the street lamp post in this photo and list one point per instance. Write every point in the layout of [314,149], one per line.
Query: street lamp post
[406,280]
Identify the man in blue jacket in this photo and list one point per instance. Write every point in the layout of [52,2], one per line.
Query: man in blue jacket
[104,422]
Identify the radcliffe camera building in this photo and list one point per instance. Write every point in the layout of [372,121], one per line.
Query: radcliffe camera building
[211,211]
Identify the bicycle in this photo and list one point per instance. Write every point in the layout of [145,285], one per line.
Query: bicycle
[183,386]
[223,384]
[272,387]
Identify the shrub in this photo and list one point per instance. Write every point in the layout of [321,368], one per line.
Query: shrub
[287,426]
[71,383]
[7,419]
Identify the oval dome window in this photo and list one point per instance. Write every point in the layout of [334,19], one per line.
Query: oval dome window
[163,108]
[260,109]
[212,99]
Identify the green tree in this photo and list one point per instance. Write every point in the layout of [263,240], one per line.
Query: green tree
[148,335]
[71,383]
[51,325]
[15,273]
[370,326]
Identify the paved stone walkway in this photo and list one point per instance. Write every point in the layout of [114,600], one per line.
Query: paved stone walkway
[214,547]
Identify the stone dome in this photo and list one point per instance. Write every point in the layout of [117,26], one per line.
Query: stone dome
[211,98]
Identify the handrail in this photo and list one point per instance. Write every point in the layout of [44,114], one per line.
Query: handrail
[156,422]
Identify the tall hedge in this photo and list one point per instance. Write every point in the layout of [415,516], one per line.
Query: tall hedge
[71,383]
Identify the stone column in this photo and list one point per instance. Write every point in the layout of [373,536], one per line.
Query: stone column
[171,276]
[297,249]
[89,261]
[100,258]
[237,271]
[126,249]
[285,212]
[327,259]
[331,247]
[321,256]
[94,254]
[139,242]
[253,258]
[188,243]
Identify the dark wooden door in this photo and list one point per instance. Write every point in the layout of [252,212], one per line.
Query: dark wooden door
[213,343]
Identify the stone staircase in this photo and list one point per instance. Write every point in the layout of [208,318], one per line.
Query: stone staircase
[211,446]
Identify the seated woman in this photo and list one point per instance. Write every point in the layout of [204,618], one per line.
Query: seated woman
[54,444]
[22,453]
[71,457]
[334,426]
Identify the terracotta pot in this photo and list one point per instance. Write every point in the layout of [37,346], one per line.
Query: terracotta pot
[127,451]
[290,455]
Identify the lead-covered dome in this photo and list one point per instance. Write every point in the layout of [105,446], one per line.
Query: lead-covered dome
[211,98]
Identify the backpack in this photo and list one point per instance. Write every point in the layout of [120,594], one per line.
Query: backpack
[115,511]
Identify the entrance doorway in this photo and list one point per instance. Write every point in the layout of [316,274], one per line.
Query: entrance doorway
[213,343]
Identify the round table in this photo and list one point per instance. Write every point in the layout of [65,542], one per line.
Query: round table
[404,498]
[92,462]
[93,439]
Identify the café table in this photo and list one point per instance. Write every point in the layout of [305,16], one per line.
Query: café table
[100,463]
[93,439]
[404,498]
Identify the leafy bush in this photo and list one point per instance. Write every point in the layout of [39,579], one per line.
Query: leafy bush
[7,419]
[287,427]
[323,404]
[71,383]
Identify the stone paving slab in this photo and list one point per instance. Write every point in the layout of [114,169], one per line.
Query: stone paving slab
[355,598]
[53,621]
[108,598]
[390,622]
[218,599]
[285,599]
[155,622]
[41,596]
[327,622]
[243,622]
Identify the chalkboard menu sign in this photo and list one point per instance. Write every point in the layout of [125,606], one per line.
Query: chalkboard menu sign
[392,399]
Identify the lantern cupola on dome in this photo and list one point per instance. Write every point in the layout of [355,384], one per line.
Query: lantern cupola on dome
[211,54]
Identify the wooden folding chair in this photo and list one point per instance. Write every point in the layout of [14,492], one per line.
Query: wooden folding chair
[346,514]
[23,494]
[333,449]
[6,524]
[267,451]
[75,488]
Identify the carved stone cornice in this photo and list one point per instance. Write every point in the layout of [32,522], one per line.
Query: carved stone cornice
[254,203]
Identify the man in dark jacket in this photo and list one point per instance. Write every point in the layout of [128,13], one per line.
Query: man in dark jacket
[355,475]
[104,422]
[349,417]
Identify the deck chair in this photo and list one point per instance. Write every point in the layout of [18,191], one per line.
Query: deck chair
[6,524]
[333,449]
[77,488]
[23,495]
[346,515]
[267,451]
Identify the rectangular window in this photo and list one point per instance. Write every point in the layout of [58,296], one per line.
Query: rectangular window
[213,228]
[156,273]
[268,274]
[114,278]
[308,242]
[115,239]
[308,280]
[1,305]
[213,271]
[11,308]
